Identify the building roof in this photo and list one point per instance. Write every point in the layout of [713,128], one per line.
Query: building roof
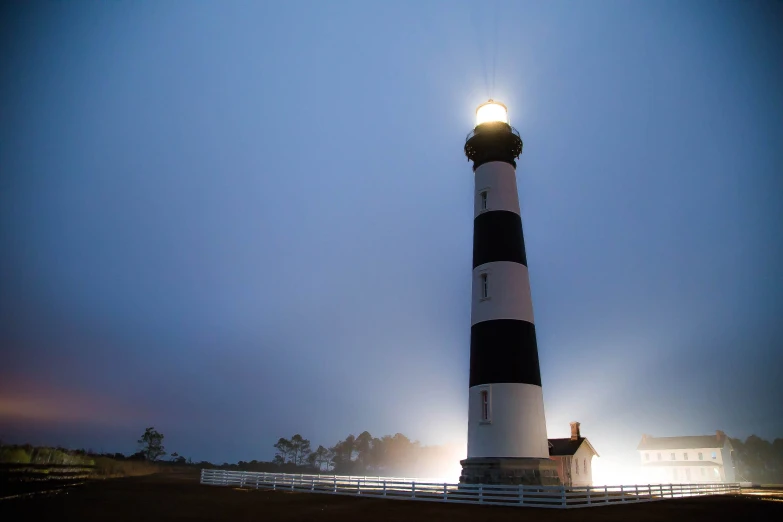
[687,442]
[567,447]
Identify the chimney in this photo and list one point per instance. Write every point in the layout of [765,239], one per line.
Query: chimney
[575,431]
[719,435]
[644,437]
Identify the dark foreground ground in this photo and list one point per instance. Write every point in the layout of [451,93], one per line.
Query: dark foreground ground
[180,497]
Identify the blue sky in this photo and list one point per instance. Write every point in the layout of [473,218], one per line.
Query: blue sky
[240,220]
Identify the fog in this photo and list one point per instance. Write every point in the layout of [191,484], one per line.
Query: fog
[238,221]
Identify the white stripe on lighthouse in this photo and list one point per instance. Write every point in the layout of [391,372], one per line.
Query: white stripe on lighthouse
[515,427]
[498,180]
[508,297]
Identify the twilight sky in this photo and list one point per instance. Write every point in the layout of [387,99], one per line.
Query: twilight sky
[240,220]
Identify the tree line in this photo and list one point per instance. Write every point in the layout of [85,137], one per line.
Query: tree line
[758,460]
[389,455]
[151,449]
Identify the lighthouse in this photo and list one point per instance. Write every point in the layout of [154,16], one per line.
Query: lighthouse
[507,440]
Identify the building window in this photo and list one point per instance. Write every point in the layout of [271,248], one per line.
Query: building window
[646,456]
[659,456]
[485,286]
[584,466]
[714,455]
[576,462]
[701,456]
[483,196]
[674,457]
[685,456]
[485,405]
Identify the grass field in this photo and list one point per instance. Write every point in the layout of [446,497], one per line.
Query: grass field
[169,497]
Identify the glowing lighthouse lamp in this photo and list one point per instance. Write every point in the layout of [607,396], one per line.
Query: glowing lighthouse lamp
[507,440]
[491,111]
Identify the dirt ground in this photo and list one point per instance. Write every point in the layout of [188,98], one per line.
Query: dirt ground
[181,497]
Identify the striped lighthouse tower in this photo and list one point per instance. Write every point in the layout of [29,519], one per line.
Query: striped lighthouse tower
[507,442]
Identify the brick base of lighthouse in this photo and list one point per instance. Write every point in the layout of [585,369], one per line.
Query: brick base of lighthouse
[509,470]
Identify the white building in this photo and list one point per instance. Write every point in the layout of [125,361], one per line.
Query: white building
[687,460]
[574,457]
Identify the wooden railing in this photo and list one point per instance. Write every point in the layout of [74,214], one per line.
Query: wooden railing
[421,489]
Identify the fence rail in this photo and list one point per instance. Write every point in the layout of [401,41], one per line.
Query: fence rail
[429,490]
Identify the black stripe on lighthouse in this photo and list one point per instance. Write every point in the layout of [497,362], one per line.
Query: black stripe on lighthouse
[504,350]
[497,236]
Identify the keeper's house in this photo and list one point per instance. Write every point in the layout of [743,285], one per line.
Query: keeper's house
[688,459]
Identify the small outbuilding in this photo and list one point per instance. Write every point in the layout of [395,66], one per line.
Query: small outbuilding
[574,456]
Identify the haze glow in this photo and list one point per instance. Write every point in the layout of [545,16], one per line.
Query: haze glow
[197,235]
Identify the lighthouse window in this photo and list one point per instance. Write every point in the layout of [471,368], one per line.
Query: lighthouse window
[484,286]
[485,405]
[685,456]
[483,196]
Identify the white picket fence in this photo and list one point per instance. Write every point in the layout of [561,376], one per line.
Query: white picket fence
[422,489]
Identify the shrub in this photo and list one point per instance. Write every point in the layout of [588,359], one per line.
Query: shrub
[106,467]
[14,455]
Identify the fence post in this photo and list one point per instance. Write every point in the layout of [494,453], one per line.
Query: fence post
[481,493]
[335,483]
[649,492]
[445,491]
[606,494]
[413,488]
[274,483]
[521,494]
[384,487]
[359,486]
[589,501]
[562,495]
[622,493]
[312,484]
